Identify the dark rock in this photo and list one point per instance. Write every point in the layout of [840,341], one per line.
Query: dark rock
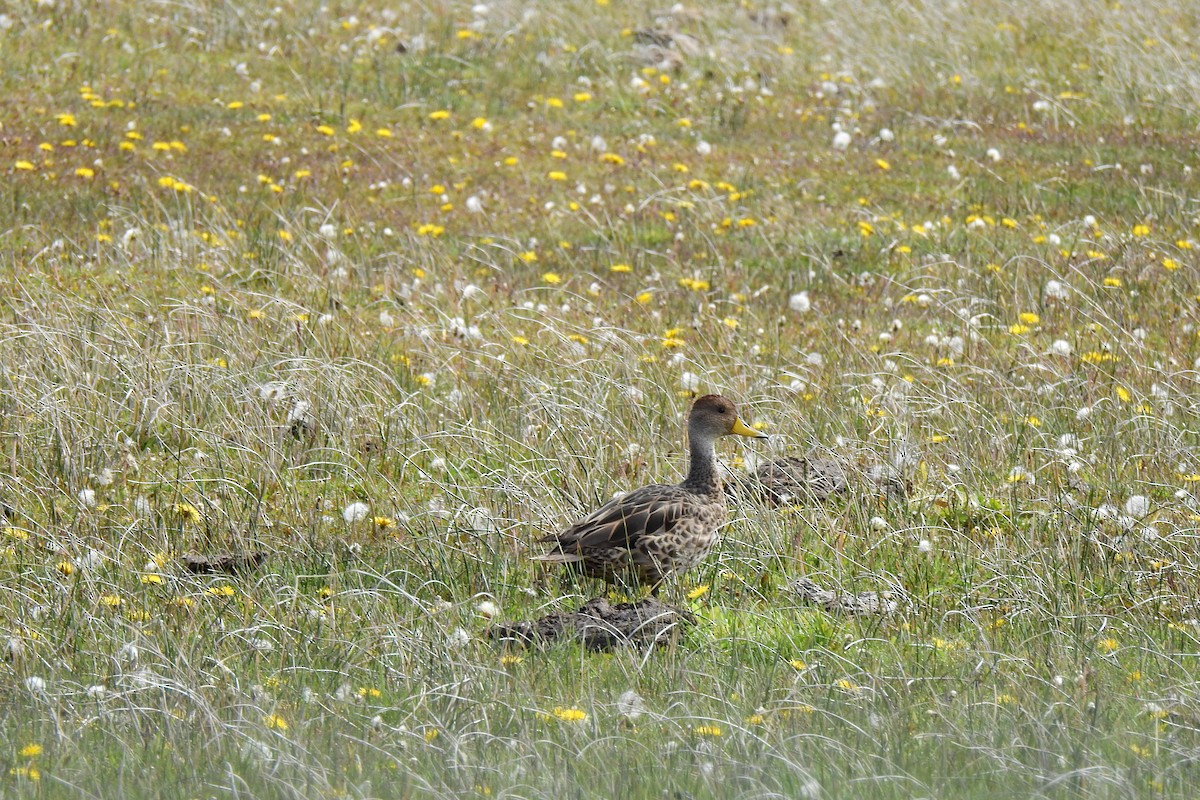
[224,562]
[861,604]
[601,625]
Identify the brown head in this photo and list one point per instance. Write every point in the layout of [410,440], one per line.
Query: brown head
[713,416]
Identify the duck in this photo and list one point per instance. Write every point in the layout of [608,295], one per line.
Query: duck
[653,532]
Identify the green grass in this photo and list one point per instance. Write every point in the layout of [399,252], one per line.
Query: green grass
[258,265]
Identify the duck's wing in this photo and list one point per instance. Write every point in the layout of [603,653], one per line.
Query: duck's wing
[622,521]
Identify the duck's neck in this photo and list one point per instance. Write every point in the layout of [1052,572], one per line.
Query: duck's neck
[703,476]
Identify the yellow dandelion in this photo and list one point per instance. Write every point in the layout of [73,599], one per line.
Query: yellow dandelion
[551,277]
[275,722]
[187,512]
[712,731]
[570,714]
[698,592]
[31,751]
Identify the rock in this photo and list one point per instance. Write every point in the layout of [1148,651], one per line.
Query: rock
[601,625]
[224,562]
[861,604]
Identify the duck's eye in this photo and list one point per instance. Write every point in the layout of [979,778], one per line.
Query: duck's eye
[723,410]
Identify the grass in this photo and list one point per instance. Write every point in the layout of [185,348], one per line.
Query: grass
[260,265]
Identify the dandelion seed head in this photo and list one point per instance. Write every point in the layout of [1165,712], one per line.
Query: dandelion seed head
[800,303]
[1137,505]
[87,498]
[355,512]
[458,638]
[924,546]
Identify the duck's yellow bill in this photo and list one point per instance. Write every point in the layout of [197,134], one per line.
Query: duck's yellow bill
[742,429]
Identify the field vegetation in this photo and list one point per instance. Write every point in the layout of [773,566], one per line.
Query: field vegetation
[386,291]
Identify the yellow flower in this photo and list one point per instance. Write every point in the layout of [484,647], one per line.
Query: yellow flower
[110,600]
[23,165]
[66,568]
[275,722]
[1141,230]
[608,158]
[31,751]
[883,165]
[383,523]
[570,714]
[221,591]
[551,277]
[187,512]
[1108,645]
[151,578]
[556,175]
[439,114]
[708,730]
[1029,318]
[698,592]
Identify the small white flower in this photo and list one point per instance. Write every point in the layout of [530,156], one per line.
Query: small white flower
[14,648]
[630,705]
[474,204]
[1137,506]
[87,497]
[886,135]
[438,464]
[458,638]
[800,303]
[878,524]
[486,608]
[841,140]
[129,654]
[924,546]
[704,148]
[355,512]
[953,172]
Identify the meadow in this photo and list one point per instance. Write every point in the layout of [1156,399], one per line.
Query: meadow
[387,291]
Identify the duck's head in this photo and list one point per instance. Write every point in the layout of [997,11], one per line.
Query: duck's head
[713,416]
